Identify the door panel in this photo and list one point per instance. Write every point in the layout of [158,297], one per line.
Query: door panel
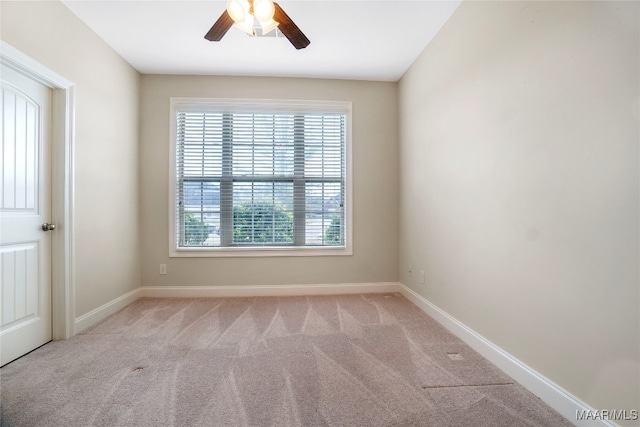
[25,204]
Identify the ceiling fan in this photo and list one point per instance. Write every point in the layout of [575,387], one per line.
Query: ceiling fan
[269,14]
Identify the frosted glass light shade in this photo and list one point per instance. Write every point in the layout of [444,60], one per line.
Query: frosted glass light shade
[268,26]
[263,10]
[238,10]
[246,25]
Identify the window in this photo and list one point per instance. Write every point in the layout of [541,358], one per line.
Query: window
[260,178]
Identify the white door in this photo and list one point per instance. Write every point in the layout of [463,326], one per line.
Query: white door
[25,205]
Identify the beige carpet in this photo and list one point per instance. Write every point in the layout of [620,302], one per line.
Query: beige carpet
[354,360]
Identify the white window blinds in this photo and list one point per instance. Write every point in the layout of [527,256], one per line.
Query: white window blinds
[260,177]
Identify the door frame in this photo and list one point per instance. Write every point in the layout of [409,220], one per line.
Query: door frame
[62,185]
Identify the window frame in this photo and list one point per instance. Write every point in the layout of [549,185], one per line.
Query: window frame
[270,105]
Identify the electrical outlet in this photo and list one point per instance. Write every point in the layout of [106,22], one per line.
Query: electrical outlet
[421,276]
[163,268]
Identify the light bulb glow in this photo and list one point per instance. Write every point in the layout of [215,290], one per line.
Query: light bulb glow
[238,10]
[263,10]
[246,25]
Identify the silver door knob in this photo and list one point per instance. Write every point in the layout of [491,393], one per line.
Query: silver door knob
[48,227]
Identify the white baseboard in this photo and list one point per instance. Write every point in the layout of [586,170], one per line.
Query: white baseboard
[268,290]
[553,395]
[105,310]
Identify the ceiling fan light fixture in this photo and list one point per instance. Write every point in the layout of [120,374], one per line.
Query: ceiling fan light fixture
[263,10]
[248,14]
[238,10]
[269,26]
[246,25]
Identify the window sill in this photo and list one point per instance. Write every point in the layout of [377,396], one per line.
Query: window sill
[258,252]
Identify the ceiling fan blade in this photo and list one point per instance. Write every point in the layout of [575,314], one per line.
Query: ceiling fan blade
[220,28]
[290,29]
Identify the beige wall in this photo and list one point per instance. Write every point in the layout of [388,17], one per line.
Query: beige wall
[106,143]
[375,184]
[519,186]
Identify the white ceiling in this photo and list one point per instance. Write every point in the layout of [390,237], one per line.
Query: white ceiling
[363,40]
